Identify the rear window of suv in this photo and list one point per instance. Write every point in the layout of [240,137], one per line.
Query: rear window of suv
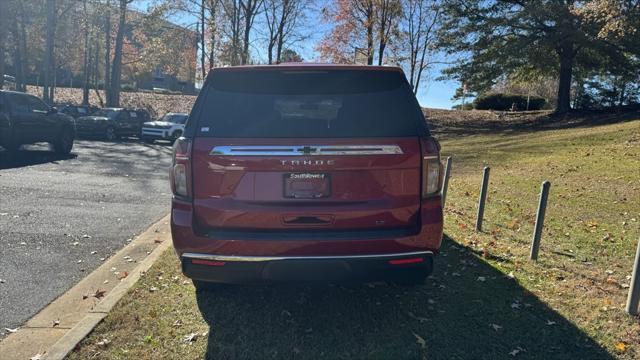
[315,103]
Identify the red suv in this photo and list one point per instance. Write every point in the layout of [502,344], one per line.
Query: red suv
[305,172]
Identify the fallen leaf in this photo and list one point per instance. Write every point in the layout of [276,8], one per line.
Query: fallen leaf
[99,293]
[421,341]
[481,278]
[191,337]
[85,236]
[153,288]
[11,330]
[516,351]
[103,342]
[621,346]
[515,305]
[495,327]
[177,323]
[123,275]
[549,322]
[38,356]
[157,241]
[56,323]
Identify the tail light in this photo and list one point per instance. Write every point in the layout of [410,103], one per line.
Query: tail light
[431,167]
[180,169]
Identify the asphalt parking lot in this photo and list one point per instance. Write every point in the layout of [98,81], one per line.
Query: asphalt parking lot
[59,216]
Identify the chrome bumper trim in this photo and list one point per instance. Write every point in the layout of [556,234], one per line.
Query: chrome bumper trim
[232,258]
[306,150]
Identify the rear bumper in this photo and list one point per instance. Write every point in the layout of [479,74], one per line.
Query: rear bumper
[248,269]
[295,256]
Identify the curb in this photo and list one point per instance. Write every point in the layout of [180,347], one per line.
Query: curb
[57,328]
[68,342]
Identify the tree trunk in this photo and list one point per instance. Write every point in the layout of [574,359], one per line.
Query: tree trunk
[203,50]
[48,54]
[116,72]
[107,52]
[248,19]
[85,67]
[212,30]
[18,64]
[566,54]
[369,26]
[3,36]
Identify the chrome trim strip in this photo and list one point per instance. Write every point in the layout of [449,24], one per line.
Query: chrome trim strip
[231,258]
[306,150]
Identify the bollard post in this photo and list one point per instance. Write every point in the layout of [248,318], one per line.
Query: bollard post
[634,287]
[445,184]
[483,197]
[542,208]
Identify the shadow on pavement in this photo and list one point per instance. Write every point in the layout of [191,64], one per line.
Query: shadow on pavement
[29,157]
[466,310]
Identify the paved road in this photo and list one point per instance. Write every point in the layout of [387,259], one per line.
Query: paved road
[55,211]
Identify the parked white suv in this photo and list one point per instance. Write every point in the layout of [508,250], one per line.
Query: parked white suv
[170,127]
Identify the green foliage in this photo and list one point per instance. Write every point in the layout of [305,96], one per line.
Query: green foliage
[500,39]
[467,106]
[499,101]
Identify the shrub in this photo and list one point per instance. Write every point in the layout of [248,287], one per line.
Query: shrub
[467,106]
[500,101]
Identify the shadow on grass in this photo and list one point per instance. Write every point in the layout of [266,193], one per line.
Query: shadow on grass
[515,123]
[455,315]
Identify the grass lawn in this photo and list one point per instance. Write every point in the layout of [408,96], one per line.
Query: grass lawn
[485,300]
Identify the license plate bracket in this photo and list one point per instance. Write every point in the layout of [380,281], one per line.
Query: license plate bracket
[307,185]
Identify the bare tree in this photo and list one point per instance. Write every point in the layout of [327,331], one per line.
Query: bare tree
[282,19]
[86,56]
[250,9]
[113,95]
[388,13]
[3,35]
[107,48]
[420,24]
[232,29]
[213,30]
[49,69]
[203,51]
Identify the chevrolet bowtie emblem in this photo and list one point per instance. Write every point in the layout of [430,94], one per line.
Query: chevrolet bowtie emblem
[307,150]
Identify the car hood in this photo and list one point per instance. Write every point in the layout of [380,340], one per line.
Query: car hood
[158,123]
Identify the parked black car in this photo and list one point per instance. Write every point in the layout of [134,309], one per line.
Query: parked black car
[112,123]
[25,119]
[76,111]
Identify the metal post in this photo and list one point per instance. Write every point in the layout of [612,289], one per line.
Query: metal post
[542,208]
[483,197]
[634,287]
[445,184]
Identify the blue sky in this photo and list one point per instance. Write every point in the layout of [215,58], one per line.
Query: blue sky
[433,94]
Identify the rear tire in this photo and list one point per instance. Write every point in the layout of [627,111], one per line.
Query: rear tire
[110,134]
[64,143]
[176,135]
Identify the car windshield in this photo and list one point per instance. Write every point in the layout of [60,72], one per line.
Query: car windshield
[175,118]
[110,113]
[339,103]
